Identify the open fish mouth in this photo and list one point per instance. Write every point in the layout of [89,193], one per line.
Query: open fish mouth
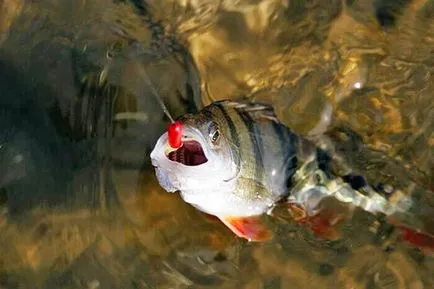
[189,154]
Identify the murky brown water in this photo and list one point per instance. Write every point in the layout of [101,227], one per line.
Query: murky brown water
[79,203]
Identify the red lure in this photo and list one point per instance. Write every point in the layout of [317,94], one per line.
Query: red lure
[174,131]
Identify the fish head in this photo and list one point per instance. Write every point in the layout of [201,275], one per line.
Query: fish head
[205,164]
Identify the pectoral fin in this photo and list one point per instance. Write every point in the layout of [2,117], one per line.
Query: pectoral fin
[250,228]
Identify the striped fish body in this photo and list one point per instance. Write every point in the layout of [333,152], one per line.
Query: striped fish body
[236,163]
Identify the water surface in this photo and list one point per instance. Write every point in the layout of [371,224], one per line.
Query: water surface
[80,206]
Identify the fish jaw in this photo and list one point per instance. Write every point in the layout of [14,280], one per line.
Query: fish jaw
[166,182]
[174,175]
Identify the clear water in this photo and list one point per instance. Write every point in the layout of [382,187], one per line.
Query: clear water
[79,203]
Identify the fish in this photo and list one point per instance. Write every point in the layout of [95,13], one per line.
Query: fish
[235,163]
[238,161]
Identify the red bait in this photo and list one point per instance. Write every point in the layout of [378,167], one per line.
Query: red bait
[175,134]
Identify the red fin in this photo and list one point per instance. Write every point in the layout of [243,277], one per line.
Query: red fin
[423,237]
[418,239]
[322,224]
[250,228]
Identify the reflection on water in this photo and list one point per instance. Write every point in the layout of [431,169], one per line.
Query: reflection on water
[79,203]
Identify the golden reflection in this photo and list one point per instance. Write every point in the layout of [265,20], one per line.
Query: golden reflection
[9,9]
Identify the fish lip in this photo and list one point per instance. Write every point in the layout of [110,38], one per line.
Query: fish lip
[191,134]
[213,164]
[162,148]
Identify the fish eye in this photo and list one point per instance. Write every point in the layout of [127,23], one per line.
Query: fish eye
[213,132]
[215,136]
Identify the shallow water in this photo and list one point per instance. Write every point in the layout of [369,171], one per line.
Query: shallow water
[80,206]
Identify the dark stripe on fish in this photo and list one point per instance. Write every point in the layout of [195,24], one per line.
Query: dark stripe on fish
[257,143]
[281,135]
[287,141]
[232,129]
[231,125]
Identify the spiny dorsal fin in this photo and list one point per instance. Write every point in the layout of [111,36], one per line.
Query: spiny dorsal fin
[256,110]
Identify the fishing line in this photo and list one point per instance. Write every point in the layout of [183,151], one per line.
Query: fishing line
[114,57]
[175,128]
[155,93]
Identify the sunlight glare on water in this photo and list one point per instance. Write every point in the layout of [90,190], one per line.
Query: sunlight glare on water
[80,206]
